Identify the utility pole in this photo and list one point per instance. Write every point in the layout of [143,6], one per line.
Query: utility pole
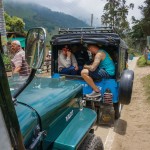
[3,27]
[91,20]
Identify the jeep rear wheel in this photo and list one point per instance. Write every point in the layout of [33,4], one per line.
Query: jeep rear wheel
[91,142]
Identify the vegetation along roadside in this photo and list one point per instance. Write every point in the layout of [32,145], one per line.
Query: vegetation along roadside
[146,86]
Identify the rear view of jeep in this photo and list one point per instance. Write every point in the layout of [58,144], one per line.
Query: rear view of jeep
[116,90]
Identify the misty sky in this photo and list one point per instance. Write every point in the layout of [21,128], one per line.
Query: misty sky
[83,9]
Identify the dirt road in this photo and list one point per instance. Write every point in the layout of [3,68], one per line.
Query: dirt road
[132,132]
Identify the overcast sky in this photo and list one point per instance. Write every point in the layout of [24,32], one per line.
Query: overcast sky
[83,9]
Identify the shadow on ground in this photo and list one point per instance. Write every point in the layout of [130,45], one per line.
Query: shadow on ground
[120,127]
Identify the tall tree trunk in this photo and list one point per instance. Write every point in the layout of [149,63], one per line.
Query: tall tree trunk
[3,27]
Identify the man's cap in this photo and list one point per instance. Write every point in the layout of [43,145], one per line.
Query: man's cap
[17,42]
[65,48]
[97,45]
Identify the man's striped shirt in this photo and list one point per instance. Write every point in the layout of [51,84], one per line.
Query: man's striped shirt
[19,61]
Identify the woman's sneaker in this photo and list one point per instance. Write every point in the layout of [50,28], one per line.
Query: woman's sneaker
[93,94]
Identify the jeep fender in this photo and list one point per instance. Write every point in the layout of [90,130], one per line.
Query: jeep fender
[76,131]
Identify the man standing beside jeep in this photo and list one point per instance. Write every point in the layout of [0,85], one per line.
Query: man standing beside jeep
[102,67]
[19,63]
[67,63]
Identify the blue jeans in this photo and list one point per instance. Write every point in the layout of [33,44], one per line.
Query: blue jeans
[69,71]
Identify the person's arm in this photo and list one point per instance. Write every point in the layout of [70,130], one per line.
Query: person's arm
[74,62]
[95,64]
[17,63]
[17,70]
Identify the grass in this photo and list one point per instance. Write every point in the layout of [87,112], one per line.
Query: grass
[146,85]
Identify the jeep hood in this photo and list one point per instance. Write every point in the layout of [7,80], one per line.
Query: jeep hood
[48,96]
[52,104]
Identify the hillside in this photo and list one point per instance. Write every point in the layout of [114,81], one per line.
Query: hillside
[36,15]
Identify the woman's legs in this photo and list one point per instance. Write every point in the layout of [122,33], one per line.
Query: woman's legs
[69,71]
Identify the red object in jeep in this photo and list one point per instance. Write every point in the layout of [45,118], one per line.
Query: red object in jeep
[108,98]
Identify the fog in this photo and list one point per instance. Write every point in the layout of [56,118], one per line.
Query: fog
[83,9]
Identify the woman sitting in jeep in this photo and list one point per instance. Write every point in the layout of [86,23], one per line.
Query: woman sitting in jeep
[67,63]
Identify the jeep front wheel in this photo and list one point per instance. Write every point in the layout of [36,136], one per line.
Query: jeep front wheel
[91,142]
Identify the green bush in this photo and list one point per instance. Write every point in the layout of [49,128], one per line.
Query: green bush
[7,62]
[142,61]
[146,85]
[134,52]
[148,62]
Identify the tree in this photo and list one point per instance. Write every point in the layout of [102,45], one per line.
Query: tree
[140,30]
[8,22]
[145,21]
[14,24]
[115,15]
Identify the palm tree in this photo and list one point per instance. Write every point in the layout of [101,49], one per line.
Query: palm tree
[3,27]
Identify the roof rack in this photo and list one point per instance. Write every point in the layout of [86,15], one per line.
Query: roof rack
[87,30]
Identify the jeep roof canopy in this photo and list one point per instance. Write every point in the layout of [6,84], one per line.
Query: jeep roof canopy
[100,35]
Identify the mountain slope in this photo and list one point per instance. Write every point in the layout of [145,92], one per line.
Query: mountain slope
[36,15]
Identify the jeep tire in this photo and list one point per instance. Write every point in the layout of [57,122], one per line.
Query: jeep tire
[125,87]
[91,142]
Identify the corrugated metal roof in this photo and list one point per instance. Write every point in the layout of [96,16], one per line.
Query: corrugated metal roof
[21,39]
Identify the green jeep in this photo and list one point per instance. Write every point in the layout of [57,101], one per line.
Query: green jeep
[43,113]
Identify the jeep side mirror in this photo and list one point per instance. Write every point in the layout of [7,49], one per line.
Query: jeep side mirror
[35,52]
[35,47]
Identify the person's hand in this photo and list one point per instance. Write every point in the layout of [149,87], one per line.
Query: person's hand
[85,66]
[68,54]
[76,68]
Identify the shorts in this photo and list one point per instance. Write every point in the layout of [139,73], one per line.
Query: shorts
[99,74]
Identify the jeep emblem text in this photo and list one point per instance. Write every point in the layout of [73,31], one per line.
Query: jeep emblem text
[69,115]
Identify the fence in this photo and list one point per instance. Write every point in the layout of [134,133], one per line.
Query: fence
[45,68]
[8,68]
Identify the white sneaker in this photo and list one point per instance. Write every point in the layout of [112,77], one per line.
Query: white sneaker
[93,94]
